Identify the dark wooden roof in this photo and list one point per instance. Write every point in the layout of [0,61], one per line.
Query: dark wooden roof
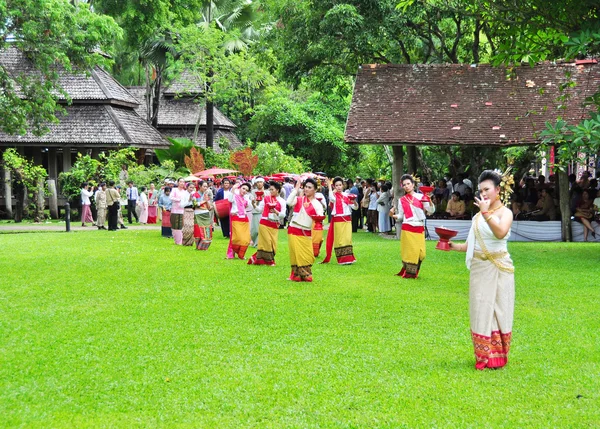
[179,111]
[95,86]
[184,84]
[100,125]
[463,104]
[101,114]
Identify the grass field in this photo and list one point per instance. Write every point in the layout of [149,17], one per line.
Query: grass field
[125,329]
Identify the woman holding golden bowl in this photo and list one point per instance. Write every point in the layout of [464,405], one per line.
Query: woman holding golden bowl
[492,279]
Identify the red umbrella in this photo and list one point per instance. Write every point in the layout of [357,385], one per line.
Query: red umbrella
[214,172]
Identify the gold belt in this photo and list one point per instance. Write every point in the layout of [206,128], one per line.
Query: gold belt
[490,255]
[493,258]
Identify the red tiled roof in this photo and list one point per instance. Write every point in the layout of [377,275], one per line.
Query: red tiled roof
[463,104]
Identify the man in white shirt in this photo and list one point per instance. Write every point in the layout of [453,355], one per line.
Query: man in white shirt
[132,197]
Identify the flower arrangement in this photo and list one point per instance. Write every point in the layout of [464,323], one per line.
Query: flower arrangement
[506,185]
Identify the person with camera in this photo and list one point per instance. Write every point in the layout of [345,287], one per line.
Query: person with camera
[86,204]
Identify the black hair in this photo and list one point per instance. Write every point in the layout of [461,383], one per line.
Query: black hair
[143,189]
[337,179]
[384,187]
[248,185]
[167,189]
[275,184]
[311,181]
[202,182]
[286,180]
[490,175]
[131,181]
[226,180]
[102,184]
[407,177]
[457,194]
[111,183]
[84,185]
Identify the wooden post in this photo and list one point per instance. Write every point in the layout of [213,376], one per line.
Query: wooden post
[8,192]
[563,203]
[66,159]
[397,171]
[53,199]
[52,164]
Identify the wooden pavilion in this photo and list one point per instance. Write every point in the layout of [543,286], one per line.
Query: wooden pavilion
[101,116]
[457,104]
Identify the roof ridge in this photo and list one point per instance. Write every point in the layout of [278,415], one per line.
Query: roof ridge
[118,124]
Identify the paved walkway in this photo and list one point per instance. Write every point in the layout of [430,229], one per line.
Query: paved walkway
[8,228]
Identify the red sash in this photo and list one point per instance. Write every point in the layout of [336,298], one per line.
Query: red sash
[406,205]
[309,208]
[340,200]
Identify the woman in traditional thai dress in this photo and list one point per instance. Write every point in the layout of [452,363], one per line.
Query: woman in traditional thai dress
[202,217]
[179,199]
[299,230]
[492,279]
[412,210]
[239,220]
[188,217]
[142,202]
[339,236]
[152,203]
[273,209]
[164,205]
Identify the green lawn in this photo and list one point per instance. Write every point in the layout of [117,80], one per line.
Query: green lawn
[125,329]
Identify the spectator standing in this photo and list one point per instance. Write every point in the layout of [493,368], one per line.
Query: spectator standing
[354,190]
[100,198]
[112,205]
[132,197]
[143,203]
[86,204]
[152,204]
[164,205]
[383,209]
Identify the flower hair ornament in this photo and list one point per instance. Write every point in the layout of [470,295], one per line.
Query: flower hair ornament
[507,182]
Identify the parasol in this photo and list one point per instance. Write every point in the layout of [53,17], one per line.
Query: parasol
[214,172]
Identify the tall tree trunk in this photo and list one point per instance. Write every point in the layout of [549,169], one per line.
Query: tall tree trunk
[476,41]
[8,192]
[210,113]
[156,97]
[40,202]
[397,171]
[210,133]
[563,203]
[412,159]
